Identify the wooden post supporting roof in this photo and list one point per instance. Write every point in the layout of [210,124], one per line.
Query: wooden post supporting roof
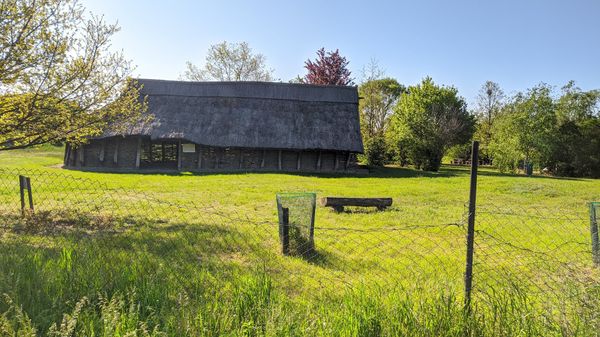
[81,155]
[179,154]
[138,153]
[218,155]
[298,160]
[319,161]
[337,162]
[262,159]
[116,154]
[199,149]
[279,159]
[348,160]
[102,149]
[241,163]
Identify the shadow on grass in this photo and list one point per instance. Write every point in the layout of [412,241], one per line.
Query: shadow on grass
[217,247]
[446,171]
[491,173]
[376,172]
[364,210]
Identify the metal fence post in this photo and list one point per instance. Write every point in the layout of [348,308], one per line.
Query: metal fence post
[594,233]
[471,226]
[312,223]
[285,231]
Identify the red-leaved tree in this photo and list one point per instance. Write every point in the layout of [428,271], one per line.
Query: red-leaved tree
[328,69]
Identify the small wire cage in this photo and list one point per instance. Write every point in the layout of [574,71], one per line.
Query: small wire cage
[297,223]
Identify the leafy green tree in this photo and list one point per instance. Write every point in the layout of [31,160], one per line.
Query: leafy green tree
[427,121]
[524,132]
[461,151]
[575,105]
[572,155]
[230,62]
[490,101]
[378,96]
[378,99]
[576,150]
[560,135]
[59,79]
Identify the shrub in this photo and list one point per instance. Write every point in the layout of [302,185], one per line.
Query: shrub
[376,153]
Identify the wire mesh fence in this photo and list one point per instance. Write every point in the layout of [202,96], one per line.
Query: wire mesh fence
[103,238]
[193,231]
[540,251]
[417,245]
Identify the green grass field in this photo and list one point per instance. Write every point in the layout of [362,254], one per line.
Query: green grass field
[198,255]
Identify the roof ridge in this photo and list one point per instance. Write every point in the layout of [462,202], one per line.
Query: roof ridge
[264,90]
[307,85]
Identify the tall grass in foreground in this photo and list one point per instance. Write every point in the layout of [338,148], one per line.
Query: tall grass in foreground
[82,278]
[253,309]
[51,295]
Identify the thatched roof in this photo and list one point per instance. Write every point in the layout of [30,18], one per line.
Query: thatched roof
[254,114]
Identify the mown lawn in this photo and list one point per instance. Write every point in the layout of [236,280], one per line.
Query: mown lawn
[198,255]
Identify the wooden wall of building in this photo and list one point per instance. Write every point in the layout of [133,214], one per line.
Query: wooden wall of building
[121,153]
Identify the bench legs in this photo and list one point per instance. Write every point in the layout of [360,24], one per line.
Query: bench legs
[338,209]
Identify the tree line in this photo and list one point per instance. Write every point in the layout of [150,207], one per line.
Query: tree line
[553,132]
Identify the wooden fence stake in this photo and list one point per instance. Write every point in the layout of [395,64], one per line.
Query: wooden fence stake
[22,193]
[29,192]
[25,184]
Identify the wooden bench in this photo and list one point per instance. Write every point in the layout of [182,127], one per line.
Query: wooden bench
[338,204]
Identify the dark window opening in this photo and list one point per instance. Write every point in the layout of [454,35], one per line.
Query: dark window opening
[159,154]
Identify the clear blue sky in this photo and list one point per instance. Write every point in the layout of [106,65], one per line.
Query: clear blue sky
[462,43]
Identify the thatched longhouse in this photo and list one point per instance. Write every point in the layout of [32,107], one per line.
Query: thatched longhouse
[229,126]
